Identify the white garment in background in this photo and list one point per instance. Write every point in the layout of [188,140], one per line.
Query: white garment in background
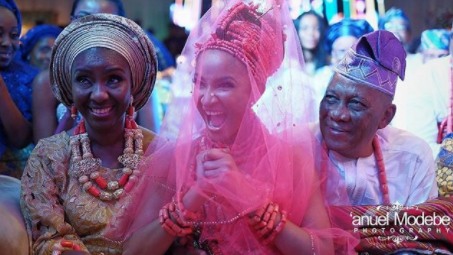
[425,101]
[409,167]
[404,89]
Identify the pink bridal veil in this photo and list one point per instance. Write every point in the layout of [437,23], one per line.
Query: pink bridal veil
[238,94]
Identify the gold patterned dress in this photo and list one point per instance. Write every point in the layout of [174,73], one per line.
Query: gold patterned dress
[55,205]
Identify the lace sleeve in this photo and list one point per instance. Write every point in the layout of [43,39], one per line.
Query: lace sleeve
[43,184]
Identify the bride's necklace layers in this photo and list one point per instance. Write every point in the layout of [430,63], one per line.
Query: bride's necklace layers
[86,168]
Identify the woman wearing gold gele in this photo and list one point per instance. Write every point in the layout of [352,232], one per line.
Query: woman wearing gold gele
[104,66]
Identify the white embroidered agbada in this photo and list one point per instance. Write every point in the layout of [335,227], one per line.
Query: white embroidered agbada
[409,168]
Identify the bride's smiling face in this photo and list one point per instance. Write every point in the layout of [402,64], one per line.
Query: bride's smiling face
[223,94]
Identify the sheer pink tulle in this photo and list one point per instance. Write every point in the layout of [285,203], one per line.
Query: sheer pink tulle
[273,150]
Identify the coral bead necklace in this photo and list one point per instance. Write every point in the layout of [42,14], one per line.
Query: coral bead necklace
[381,170]
[86,168]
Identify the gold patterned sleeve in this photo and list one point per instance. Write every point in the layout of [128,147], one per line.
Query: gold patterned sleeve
[43,186]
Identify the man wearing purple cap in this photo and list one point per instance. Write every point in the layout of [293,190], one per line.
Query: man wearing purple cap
[378,164]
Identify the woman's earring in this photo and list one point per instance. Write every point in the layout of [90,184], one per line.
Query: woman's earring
[73,112]
[130,109]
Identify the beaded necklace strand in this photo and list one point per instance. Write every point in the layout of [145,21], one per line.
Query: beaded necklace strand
[86,168]
[381,169]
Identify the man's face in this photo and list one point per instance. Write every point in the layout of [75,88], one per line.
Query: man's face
[350,114]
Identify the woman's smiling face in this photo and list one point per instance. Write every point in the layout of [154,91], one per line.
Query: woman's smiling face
[224,93]
[9,37]
[101,87]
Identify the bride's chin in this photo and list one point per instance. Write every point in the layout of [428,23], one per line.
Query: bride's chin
[215,135]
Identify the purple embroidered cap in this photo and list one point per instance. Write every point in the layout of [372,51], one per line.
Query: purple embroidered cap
[377,60]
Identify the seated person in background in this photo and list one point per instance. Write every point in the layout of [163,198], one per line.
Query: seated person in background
[396,21]
[342,35]
[444,163]
[37,45]
[425,109]
[380,165]
[435,43]
[311,28]
[339,39]
[16,78]
[13,237]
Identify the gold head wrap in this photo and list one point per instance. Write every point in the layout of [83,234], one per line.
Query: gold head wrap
[106,31]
